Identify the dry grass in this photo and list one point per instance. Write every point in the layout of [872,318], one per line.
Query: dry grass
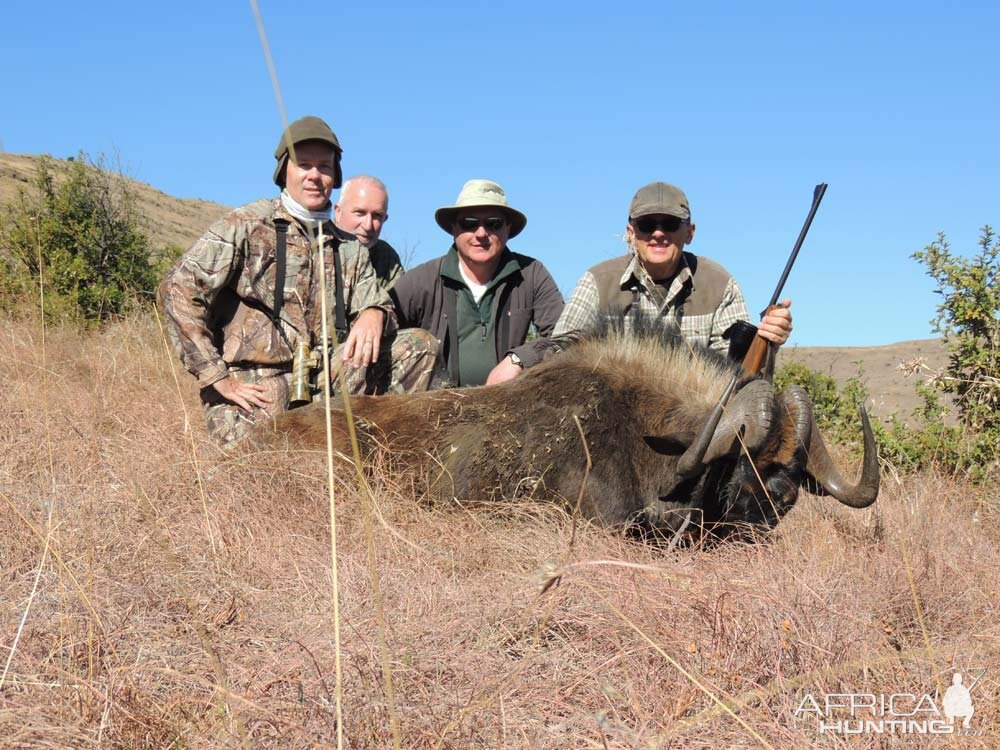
[140,634]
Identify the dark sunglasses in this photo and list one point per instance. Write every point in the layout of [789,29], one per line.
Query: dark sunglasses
[491,223]
[649,224]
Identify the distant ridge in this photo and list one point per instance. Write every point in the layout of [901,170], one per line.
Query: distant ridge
[169,220]
[892,391]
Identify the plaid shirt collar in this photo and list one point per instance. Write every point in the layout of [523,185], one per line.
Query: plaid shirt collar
[636,276]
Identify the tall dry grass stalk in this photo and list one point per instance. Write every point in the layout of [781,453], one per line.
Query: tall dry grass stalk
[113,650]
[52,501]
[331,496]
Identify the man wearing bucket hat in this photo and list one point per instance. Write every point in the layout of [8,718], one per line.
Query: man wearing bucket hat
[245,299]
[658,277]
[480,298]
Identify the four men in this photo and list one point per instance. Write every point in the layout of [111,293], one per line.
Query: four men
[243,305]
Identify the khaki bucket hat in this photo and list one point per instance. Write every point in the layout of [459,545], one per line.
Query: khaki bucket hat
[308,128]
[476,194]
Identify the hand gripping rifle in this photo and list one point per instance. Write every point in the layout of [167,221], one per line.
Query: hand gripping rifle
[755,355]
[740,334]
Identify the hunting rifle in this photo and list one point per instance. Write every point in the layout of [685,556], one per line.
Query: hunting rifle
[754,358]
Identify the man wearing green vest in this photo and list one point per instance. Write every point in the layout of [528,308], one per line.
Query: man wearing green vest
[660,279]
[480,298]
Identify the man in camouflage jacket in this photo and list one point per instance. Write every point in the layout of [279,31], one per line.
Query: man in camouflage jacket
[219,299]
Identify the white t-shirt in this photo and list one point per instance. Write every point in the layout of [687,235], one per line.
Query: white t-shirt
[477,289]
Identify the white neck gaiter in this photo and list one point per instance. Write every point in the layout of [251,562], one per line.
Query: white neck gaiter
[309,218]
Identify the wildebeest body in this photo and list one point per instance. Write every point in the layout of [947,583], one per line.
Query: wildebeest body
[640,401]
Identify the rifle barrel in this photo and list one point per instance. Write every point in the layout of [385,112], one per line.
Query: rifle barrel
[818,192]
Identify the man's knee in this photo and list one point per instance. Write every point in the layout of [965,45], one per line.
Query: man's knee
[229,424]
[414,343]
[407,363]
[415,359]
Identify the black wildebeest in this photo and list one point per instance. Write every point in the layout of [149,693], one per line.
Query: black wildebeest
[644,400]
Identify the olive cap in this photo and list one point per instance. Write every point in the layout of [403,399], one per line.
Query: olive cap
[660,198]
[307,128]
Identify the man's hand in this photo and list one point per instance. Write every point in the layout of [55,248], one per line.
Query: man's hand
[244,395]
[362,345]
[505,370]
[776,326]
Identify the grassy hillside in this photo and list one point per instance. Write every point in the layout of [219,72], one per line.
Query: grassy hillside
[162,594]
[885,370]
[169,220]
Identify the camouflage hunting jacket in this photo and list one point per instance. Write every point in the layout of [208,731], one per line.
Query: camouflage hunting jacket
[218,298]
[388,266]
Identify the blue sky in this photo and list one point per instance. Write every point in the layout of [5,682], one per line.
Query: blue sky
[571,108]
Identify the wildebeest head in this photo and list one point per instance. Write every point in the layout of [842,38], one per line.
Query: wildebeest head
[669,448]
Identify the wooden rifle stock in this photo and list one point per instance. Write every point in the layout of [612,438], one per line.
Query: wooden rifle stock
[754,359]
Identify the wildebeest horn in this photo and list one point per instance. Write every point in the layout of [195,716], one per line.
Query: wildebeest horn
[749,414]
[823,473]
[802,413]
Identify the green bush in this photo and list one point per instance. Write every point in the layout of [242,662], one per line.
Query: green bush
[969,319]
[164,259]
[78,237]
[933,443]
[835,409]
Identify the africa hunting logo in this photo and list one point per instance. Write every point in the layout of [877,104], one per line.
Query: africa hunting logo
[894,713]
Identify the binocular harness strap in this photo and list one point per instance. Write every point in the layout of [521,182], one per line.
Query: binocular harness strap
[281,228]
[339,316]
[281,251]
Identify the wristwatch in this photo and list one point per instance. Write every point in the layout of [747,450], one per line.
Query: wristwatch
[516,360]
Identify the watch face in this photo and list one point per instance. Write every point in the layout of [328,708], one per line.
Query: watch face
[515,359]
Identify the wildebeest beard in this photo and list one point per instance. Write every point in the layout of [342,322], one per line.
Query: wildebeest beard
[640,396]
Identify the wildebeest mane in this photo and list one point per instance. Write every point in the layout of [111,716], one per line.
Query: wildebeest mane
[634,345]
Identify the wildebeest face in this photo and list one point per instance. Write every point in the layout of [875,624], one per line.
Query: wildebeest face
[731,497]
[743,472]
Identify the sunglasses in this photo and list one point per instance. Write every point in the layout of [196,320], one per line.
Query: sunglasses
[649,224]
[491,223]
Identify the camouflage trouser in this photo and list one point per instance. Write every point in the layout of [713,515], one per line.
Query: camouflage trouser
[406,364]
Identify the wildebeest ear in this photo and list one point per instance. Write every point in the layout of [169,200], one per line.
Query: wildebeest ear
[670,445]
